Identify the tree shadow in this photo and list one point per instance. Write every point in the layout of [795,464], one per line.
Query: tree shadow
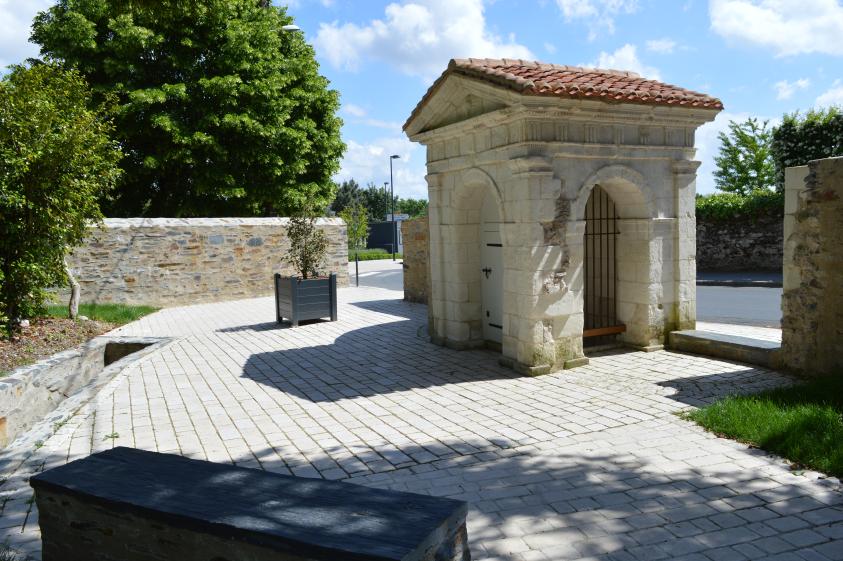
[572,500]
[735,379]
[384,357]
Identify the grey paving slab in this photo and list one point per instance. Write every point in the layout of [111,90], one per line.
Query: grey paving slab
[586,463]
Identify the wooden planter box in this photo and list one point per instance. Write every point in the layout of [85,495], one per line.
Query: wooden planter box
[298,299]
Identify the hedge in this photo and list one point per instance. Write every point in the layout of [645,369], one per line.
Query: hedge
[730,206]
[802,138]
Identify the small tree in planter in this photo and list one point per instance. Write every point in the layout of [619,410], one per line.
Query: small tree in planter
[306,295]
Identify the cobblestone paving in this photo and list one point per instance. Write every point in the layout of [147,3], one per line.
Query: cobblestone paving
[590,463]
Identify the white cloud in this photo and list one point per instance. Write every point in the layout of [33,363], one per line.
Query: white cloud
[15,22]
[353,110]
[663,46]
[789,27]
[785,89]
[625,58]
[550,47]
[369,162]
[708,145]
[417,37]
[834,96]
[599,14]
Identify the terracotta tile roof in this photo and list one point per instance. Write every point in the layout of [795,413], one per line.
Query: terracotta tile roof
[537,78]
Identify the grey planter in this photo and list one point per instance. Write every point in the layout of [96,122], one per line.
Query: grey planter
[298,299]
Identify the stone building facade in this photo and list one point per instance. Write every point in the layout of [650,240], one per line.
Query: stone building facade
[416,259]
[514,151]
[175,261]
[812,296]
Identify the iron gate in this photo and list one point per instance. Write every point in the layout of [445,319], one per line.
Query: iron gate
[601,278]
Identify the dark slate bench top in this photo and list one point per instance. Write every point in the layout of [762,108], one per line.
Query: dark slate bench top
[323,519]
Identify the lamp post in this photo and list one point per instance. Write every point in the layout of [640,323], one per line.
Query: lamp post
[392,202]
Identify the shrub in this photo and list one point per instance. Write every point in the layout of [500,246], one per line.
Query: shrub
[308,244]
[802,138]
[730,206]
[56,162]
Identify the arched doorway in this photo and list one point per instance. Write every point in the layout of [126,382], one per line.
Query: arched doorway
[601,324]
[491,271]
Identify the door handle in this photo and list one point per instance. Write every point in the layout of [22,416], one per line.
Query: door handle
[487,270]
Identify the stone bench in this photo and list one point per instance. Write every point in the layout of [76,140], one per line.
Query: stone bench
[132,505]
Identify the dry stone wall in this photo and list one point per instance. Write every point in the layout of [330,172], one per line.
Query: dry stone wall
[740,245]
[812,300]
[172,261]
[416,259]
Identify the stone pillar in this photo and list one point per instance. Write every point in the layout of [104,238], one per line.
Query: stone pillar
[812,299]
[685,244]
[542,331]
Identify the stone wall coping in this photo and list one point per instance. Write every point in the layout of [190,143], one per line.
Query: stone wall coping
[310,518]
[113,223]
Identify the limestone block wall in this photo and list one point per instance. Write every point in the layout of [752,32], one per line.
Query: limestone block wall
[416,259]
[812,299]
[173,261]
[740,245]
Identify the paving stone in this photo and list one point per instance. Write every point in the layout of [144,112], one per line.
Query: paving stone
[590,462]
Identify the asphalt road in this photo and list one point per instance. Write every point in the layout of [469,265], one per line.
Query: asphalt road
[747,306]
[724,304]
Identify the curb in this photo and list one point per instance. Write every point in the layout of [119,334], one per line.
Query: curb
[740,284]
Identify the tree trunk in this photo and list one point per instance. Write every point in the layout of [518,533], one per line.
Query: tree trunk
[73,306]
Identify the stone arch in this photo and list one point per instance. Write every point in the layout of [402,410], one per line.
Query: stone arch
[473,185]
[627,187]
[633,200]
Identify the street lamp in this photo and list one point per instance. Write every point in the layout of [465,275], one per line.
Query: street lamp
[392,202]
[290,27]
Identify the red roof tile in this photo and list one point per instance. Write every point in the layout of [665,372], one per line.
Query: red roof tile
[537,78]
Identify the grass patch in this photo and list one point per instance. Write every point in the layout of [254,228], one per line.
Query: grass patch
[803,423]
[112,313]
[371,255]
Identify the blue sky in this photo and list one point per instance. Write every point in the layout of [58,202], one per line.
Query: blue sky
[761,57]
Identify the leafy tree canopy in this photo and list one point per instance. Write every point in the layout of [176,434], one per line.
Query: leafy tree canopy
[219,111]
[56,160]
[803,137]
[745,163]
[348,194]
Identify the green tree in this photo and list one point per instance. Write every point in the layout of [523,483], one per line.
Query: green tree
[348,194]
[357,222]
[413,207]
[220,111]
[745,163]
[377,202]
[803,137]
[56,160]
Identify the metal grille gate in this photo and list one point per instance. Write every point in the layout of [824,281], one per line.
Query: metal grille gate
[601,279]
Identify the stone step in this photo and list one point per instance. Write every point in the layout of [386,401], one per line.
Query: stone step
[730,347]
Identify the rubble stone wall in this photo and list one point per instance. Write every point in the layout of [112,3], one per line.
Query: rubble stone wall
[173,261]
[812,300]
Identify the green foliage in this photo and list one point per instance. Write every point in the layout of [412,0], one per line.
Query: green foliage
[56,160]
[744,163]
[377,202]
[308,244]
[802,423]
[347,194]
[413,207]
[220,111]
[371,255]
[357,222]
[112,313]
[731,206]
[802,138]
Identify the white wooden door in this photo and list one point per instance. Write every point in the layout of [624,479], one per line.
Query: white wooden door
[491,282]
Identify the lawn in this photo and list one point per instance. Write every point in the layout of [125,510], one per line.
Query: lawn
[111,313]
[371,255]
[54,332]
[802,423]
